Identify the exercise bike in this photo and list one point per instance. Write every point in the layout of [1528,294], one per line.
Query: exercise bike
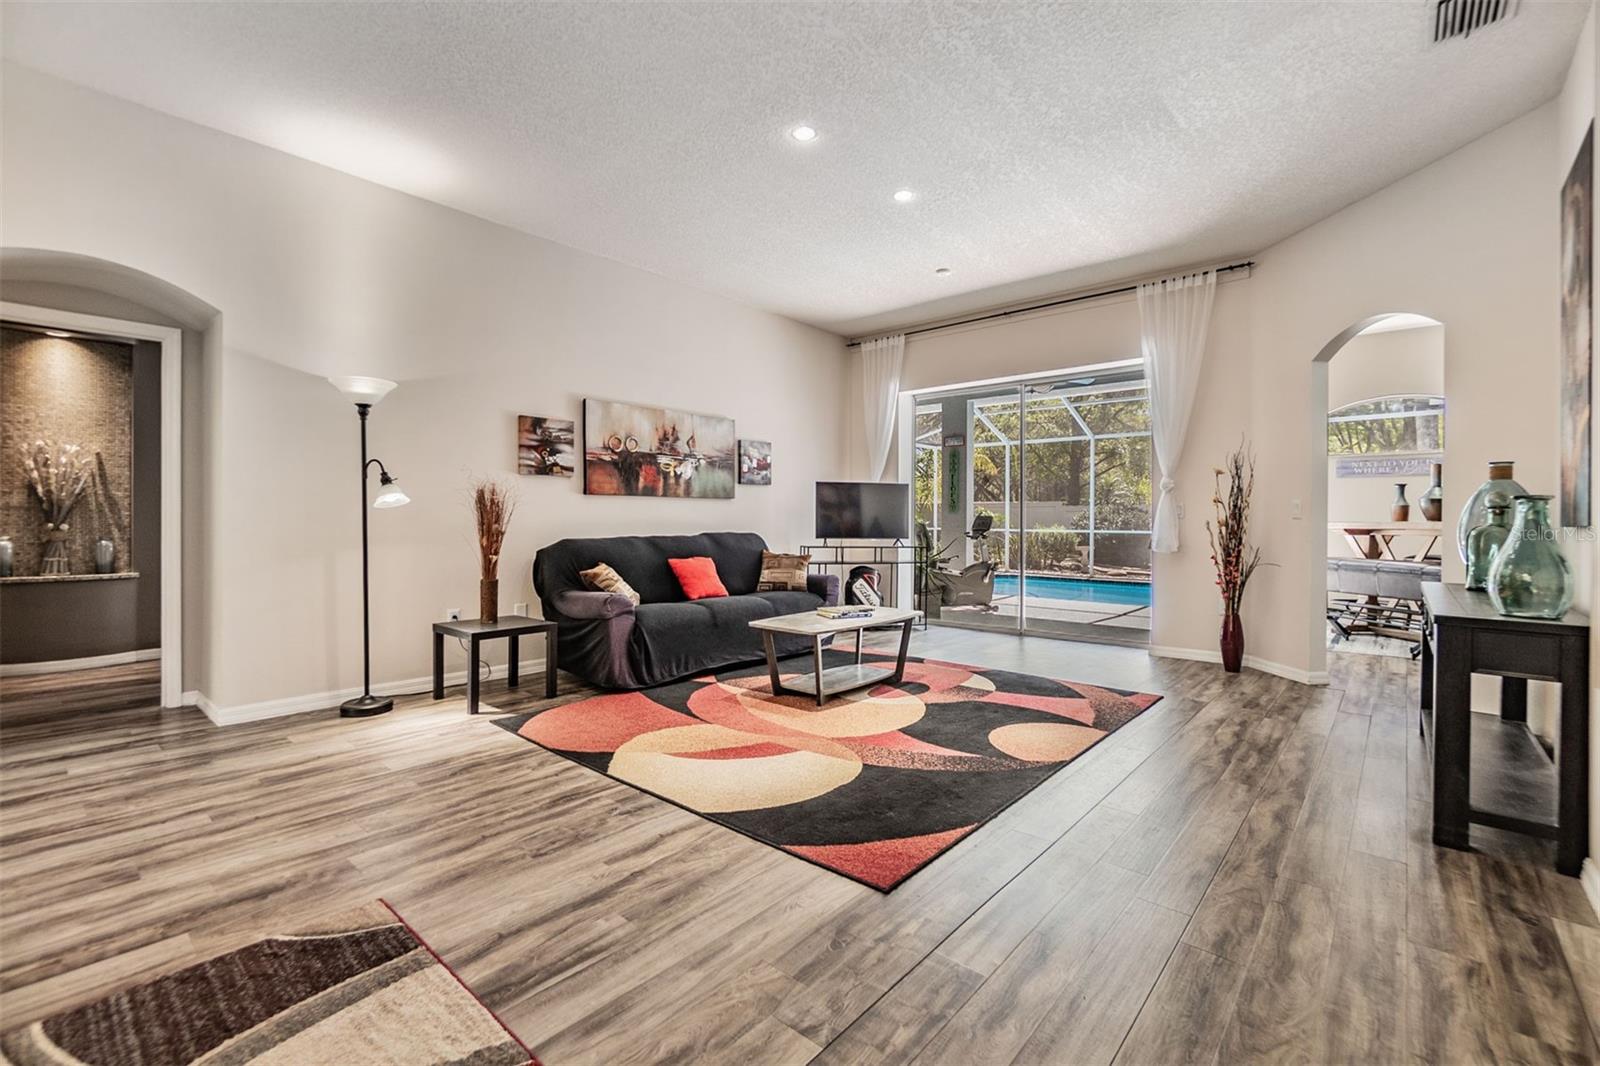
[971,586]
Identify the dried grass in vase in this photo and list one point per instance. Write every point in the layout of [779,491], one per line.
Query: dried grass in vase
[58,475]
[1232,556]
[492,506]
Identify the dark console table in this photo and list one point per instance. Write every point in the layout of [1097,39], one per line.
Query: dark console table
[474,632]
[1498,762]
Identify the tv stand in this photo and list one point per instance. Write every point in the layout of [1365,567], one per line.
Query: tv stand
[841,558]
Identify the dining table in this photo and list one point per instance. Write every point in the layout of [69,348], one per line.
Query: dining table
[1375,540]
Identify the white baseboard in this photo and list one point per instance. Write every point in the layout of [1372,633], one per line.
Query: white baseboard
[61,666]
[1589,878]
[317,701]
[1266,666]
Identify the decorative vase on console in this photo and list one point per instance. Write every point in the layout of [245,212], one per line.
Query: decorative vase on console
[1474,514]
[8,556]
[1530,577]
[1484,542]
[1432,501]
[105,556]
[1400,510]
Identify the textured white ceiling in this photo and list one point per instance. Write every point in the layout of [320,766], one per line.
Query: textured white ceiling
[1051,144]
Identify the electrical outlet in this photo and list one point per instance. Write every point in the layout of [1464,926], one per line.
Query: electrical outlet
[519,608]
[452,614]
[1180,512]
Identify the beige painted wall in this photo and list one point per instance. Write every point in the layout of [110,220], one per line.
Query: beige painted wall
[1396,362]
[1425,244]
[317,273]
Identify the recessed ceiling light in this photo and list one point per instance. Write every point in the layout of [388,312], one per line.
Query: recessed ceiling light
[803,134]
[943,272]
[56,333]
[904,196]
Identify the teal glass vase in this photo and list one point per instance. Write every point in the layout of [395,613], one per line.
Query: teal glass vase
[1486,541]
[1474,514]
[1530,578]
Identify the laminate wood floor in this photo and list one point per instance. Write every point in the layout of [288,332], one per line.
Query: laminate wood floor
[1241,874]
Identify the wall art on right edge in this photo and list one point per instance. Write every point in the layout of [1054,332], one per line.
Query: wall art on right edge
[755,462]
[1577,344]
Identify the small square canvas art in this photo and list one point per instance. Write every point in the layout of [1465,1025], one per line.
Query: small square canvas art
[545,446]
[755,462]
[638,450]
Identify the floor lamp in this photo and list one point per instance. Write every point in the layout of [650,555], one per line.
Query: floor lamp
[364,392]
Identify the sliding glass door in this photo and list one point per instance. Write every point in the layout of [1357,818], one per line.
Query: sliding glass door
[1037,499]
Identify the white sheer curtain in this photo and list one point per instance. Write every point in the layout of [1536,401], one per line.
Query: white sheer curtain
[1174,315]
[881,361]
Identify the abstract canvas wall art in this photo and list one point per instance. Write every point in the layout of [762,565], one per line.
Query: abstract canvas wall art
[755,462]
[546,446]
[1577,331]
[636,450]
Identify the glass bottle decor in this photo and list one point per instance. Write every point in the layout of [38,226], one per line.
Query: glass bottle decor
[8,555]
[105,556]
[1473,514]
[1400,510]
[1530,578]
[1432,501]
[1485,541]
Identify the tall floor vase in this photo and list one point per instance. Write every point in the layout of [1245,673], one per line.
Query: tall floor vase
[1232,642]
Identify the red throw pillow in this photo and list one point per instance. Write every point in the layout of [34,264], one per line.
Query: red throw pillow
[698,576]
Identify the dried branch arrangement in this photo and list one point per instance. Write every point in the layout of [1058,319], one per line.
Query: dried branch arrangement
[1232,556]
[493,506]
[58,475]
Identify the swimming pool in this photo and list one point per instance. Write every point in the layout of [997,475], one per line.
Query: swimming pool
[1131,593]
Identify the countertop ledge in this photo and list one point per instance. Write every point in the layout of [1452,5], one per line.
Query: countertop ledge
[46,579]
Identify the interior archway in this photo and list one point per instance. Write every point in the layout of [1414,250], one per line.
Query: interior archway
[1319,532]
[74,291]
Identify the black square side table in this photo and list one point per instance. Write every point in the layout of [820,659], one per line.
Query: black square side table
[474,632]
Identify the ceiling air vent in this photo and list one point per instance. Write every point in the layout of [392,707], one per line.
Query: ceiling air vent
[1458,18]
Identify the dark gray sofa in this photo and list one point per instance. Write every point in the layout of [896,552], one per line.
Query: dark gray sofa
[606,640]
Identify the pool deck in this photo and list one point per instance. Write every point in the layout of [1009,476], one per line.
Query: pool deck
[1082,612]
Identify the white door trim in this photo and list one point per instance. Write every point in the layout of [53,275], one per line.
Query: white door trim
[171,341]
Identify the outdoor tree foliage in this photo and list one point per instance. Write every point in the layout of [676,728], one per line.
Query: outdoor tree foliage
[1058,460]
[1393,425]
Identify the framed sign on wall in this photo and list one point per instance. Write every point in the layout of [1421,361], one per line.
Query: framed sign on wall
[952,479]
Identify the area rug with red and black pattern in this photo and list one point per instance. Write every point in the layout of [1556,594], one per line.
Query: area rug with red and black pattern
[874,786]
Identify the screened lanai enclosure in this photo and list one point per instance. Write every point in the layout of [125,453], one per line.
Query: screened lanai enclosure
[1060,473]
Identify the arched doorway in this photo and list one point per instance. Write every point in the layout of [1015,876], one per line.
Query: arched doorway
[86,297]
[1378,406]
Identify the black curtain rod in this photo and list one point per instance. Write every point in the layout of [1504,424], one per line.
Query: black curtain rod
[1246,265]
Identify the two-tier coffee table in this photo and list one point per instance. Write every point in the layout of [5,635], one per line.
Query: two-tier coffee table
[839,679]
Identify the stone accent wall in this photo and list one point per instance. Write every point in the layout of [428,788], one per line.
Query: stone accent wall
[67,391]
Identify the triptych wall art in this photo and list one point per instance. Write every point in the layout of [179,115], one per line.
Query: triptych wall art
[644,450]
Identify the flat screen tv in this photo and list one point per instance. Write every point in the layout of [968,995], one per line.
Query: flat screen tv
[863,509]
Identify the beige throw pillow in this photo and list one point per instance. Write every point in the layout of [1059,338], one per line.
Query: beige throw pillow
[606,579]
[782,573]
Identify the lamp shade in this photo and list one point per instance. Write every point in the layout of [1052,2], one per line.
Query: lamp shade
[363,390]
[390,495]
